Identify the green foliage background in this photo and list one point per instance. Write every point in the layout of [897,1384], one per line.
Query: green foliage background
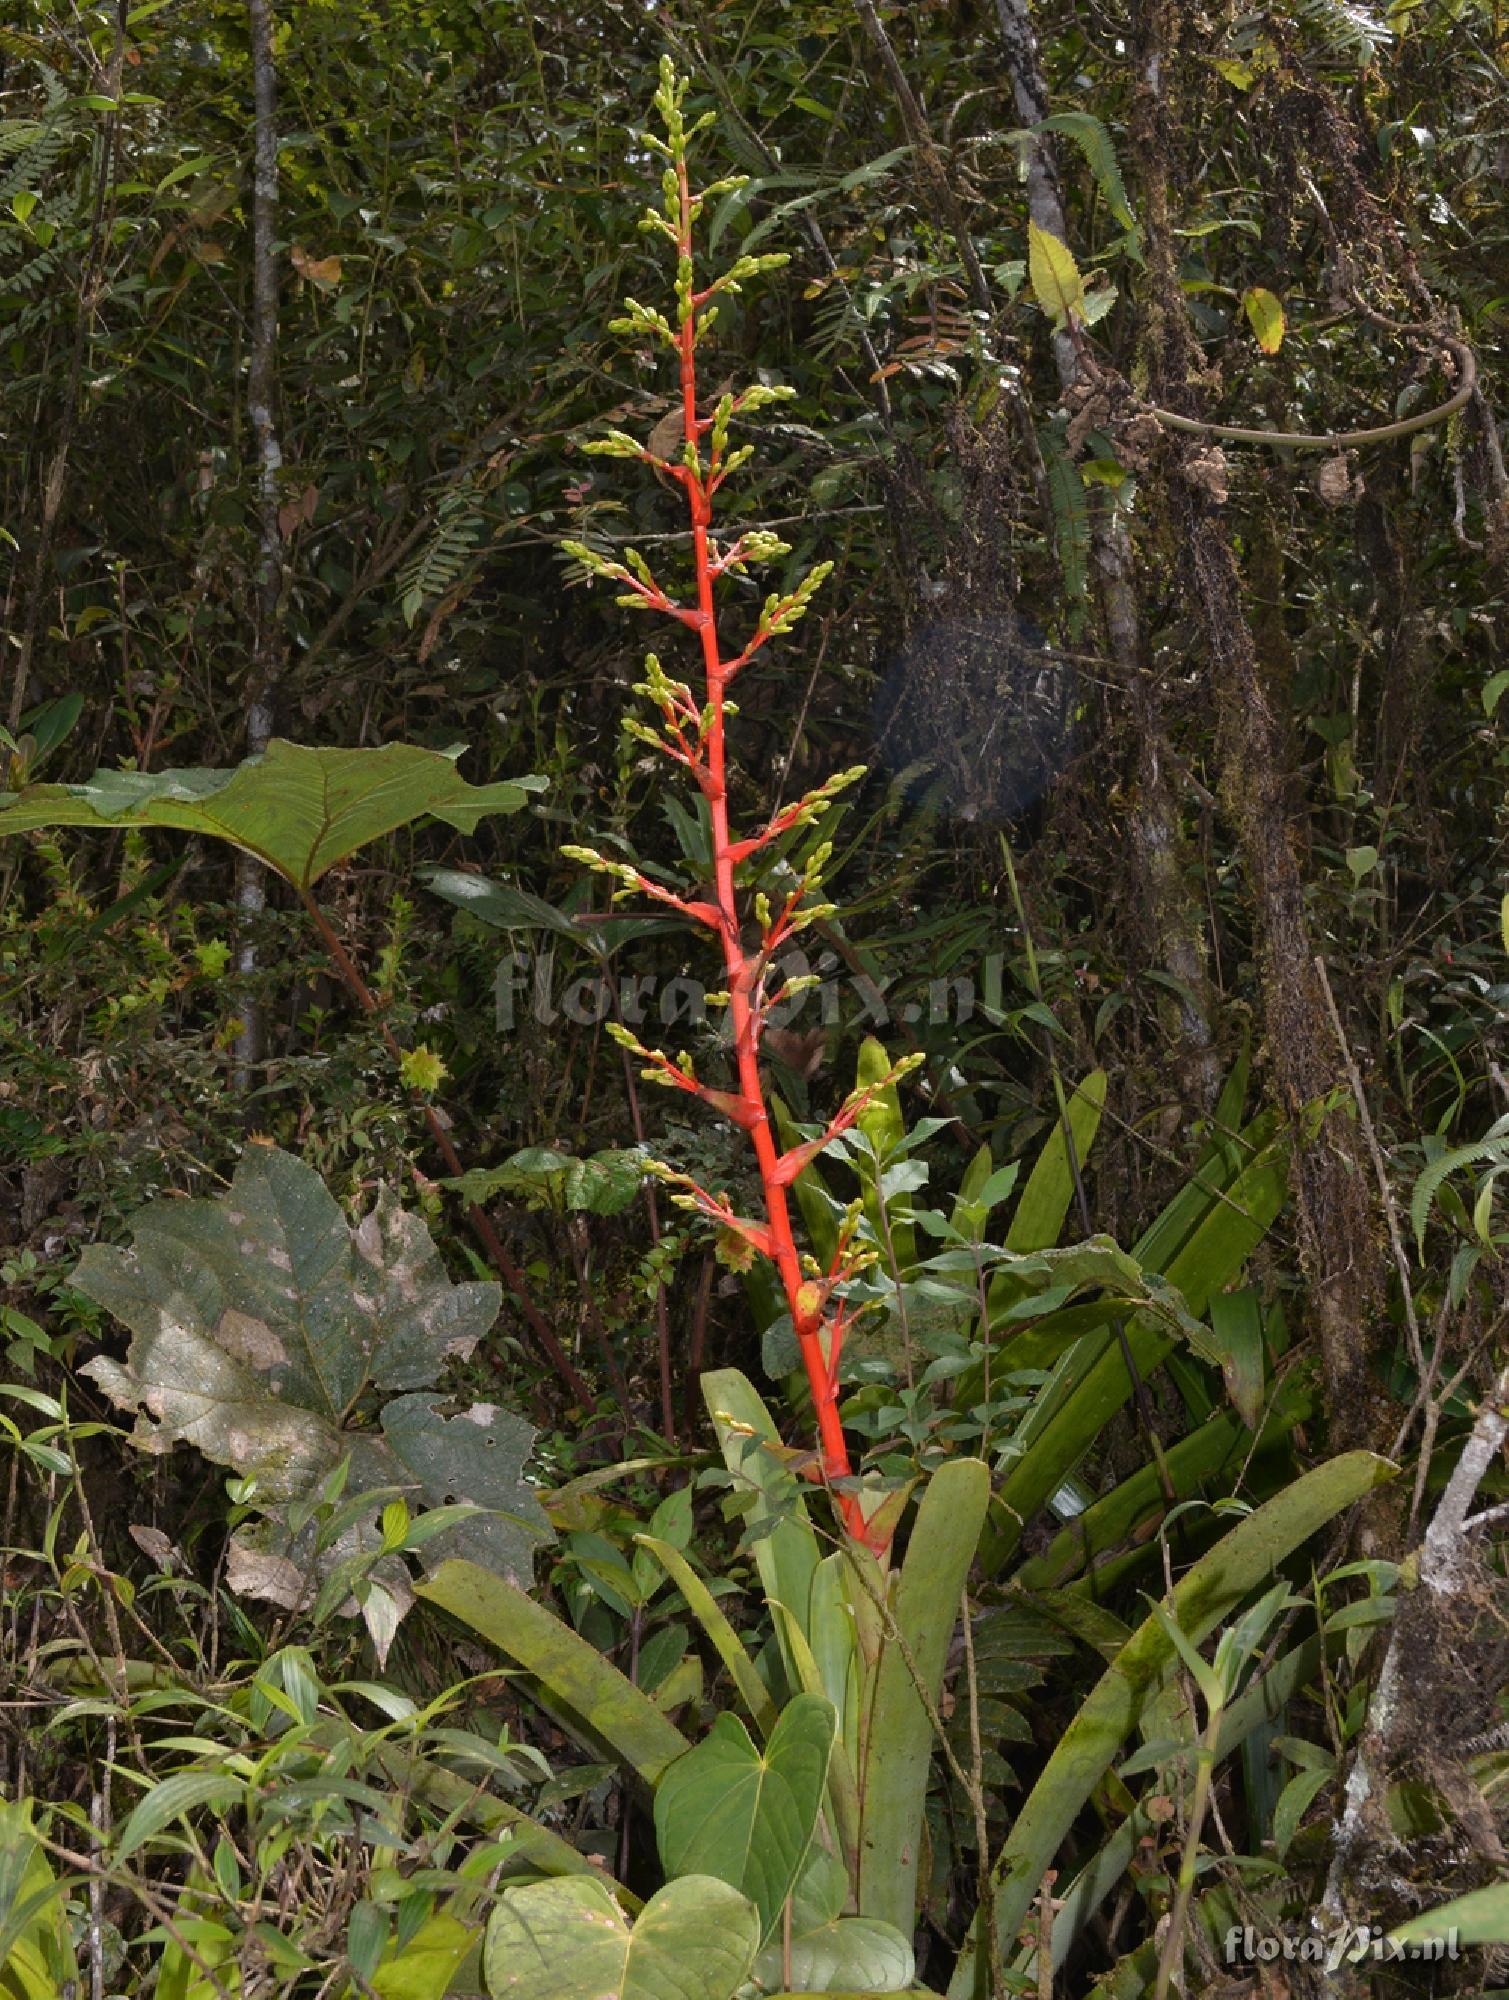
[459,191]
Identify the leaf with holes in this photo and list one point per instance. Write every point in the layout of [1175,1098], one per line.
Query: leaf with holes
[280,1341]
[300,810]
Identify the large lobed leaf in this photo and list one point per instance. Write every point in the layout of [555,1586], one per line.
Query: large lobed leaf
[568,1940]
[266,1331]
[299,809]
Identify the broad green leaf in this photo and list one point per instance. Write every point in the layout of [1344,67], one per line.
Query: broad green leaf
[745,1815]
[262,1324]
[1294,1802]
[1056,283]
[1481,1917]
[474,1456]
[425,1967]
[1044,1201]
[570,1670]
[881,1121]
[170,1798]
[299,809]
[896,1755]
[981,1188]
[1236,1333]
[821,1891]
[568,1940]
[368,1934]
[1213,1587]
[857,1952]
[1265,316]
[1361,861]
[36,1948]
[503,906]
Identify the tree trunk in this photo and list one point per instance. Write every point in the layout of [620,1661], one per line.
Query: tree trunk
[251,877]
[1174,921]
[1335,1211]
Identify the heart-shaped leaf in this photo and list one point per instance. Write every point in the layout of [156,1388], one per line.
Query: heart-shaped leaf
[299,809]
[266,1331]
[861,1954]
[728,1809]
[568,1940]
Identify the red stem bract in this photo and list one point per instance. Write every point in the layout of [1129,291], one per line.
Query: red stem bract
[741,973]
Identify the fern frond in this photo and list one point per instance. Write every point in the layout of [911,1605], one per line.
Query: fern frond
[440,561]
[1345,28]
[1491,1150]
[33,146]
[1095,142]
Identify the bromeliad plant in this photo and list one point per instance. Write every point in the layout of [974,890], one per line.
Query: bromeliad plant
[691,731]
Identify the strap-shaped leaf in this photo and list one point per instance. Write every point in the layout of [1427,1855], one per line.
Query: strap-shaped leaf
[1213,1587]
[896,1757]
[570,1671]
[299,809]
[705,1608]
[786,1555]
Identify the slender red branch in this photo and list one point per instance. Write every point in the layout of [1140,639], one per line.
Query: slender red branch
[779,1243]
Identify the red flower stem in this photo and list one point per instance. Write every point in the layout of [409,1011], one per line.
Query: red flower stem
[783,1251]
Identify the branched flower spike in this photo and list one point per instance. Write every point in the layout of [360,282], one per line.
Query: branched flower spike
[689,729]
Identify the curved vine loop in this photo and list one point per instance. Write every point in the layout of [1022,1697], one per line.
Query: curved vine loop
[1467,368]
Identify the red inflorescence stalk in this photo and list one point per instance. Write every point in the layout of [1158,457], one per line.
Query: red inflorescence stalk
[804,1299]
